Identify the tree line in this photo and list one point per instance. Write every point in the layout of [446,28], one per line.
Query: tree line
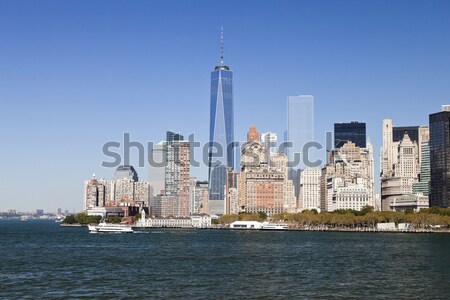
[366,218]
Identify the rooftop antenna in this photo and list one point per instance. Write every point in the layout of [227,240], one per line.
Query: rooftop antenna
[221,46]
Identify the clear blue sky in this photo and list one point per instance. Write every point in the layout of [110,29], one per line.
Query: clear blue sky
[75,74]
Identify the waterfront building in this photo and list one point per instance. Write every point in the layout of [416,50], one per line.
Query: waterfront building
[416,202]
[221,133]
[401,161]
[348,181]
[310,188]
[440,157]
[354,132]
[94,194]
[404,173]
[193,221]
[164,206]
[177,174]
[263,187]
[352,195]
[126,171]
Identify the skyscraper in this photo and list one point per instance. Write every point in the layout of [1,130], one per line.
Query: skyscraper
[300,127]
[440,157]
[354,132]
[126,172]
[221,133]
[269,140]
[177,173]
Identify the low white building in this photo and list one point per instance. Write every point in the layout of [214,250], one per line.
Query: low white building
[193,221]
[201,221]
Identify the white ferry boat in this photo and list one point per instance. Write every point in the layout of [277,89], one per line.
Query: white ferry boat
[106,227]
[274,226]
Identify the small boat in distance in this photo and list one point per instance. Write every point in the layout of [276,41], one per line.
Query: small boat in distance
[107,227]
[274,226]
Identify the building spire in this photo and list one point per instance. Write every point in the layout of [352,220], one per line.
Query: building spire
[221,46]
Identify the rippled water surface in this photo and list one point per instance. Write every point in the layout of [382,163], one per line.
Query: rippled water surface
[39,259]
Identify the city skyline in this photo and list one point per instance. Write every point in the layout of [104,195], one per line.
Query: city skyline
[83,91]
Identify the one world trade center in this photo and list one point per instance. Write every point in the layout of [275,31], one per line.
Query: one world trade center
[221,133]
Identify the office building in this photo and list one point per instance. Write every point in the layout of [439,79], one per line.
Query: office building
[126,171]
[300,127]
[263,187]
[310,189]
[221,133]
[177,174]
[354,132]
[269,140]
[401,161]
[440,157]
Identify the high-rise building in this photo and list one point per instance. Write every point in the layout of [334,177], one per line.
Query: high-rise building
[300,127]
[262,187]
[310,188]
[404,172]
[124,190]
[348,181]
[269,140]
[142,193]
[354,132]
[231,196]
[399,131]
[252,134]
[201,197]
[221,133]
[94,194]
[157,169]
[400,169]
[126,171]
[177,174]
[423,186]
[440,157]
[172,136]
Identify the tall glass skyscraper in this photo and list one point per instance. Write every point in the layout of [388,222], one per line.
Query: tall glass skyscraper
[221,133]
[300,130]
[300,127]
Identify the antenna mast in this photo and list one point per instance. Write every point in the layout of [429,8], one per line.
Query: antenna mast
[221,46]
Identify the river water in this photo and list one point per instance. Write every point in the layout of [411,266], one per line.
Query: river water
[40,259]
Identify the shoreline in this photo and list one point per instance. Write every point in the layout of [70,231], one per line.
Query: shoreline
[345,230]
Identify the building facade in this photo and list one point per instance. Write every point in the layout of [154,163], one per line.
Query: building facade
[310,179]
[440,157]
